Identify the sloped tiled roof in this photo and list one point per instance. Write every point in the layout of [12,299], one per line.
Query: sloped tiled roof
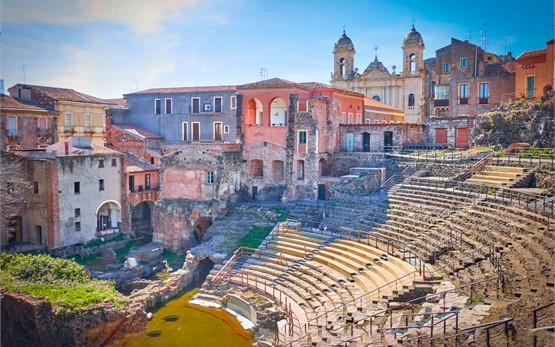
[118,103]
[499,68]
[374,104]
[185,90]
[136,164]
[63,94]
[272,82]
[136,131]
[531,54]
[98,149]
[315,85]
[9,103]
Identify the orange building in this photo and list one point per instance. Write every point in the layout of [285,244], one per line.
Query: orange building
[534,72]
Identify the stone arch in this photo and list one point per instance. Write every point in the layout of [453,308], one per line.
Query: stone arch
[412,63]
[141,219]
[200,228]
[278,112]
[254,112]
[411,100]
[108,215]
[342,67]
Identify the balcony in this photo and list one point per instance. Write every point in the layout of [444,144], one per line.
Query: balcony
[483,101]
[12,133]
[463,101]
[65,129]
[441,103]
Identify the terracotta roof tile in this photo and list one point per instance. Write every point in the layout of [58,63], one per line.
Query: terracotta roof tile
[380,105]
[185,90]
[98,149]
[531,54]
[136,164]
[118,103]
[136,131]
[9,103]
[63,94]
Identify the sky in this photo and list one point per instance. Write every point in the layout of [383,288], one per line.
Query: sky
[107,48]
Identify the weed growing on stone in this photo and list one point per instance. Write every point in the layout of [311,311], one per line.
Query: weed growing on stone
[63,282]
[255,236]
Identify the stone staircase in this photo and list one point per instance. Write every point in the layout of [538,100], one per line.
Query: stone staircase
[499,176]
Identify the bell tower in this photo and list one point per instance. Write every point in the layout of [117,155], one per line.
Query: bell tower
[343,59]
[413,53]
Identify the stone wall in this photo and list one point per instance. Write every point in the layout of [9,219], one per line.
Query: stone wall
[451,125]
[401,134]
[355,185]
[81,250]
[28,321]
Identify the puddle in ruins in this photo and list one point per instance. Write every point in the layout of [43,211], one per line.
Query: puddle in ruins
[178,323]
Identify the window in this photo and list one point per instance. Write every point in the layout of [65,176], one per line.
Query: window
[100,162]
[343,118]
[131,184]
[463,94]
[77,187]
[196,131]
[217,131]
[77,212]
[218,104]
[257,168]
[376,97]
[36,187]
[77,226]
[100,184]
[114,162]
[168,106]
[300,169]
[152,160]
[184,131]
[411,100]
[42,123]
[210,177]
[147,181]
[412,63]
[350,118]
[233,102]
[463,63]
[342,66]
[226,129]
[302,137]
[530,86]
[88,121]
[446,67]
[157,106]
[441,92]
[67,120]
[195,105]
[484,93]
[359,121]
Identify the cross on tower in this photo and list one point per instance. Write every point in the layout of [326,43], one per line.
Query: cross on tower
[412,20]
[376,51]
[343,26]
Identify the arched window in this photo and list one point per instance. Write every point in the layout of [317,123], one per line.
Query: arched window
[377,98]
[277,170]
[411,100]
[412,59]
[278,112]
[342,67]
[254,112]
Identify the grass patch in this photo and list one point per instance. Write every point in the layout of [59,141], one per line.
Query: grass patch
[121,253]
[63,282]
[255,236]
[98,242]
[175,261]
[83,260]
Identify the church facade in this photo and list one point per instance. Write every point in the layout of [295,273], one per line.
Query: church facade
[406,91]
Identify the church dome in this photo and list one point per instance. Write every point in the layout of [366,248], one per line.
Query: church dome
[413,37]
[376,64]
[345,43]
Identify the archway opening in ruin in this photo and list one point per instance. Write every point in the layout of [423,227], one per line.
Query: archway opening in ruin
[141,220]
[203,269]
[200,228]
[324,167]
[108,215]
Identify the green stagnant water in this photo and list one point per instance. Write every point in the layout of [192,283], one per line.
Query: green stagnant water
[178,323]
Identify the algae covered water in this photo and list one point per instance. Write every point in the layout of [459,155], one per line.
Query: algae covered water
[178,323]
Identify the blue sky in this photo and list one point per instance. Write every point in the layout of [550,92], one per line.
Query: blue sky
[107,48]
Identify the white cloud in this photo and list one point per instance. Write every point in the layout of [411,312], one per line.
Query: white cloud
[142,16]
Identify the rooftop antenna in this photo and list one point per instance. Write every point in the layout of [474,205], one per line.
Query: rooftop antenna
[133,82]
[263,73]
[470,36]
[484,33]
[22,68]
